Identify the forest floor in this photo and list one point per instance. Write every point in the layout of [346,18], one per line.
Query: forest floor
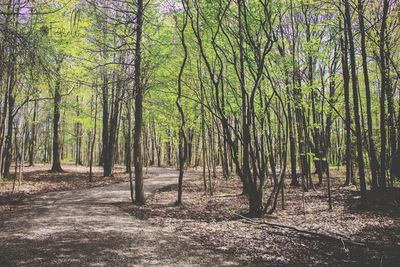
[343,236]
[99,226]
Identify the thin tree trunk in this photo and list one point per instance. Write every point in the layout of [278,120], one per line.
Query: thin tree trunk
[346,85]
[129,145]
[384,84]
[137,145]
[93,135]
[360,156]
[182,137]
[32,140]
[372,153]
[56,166]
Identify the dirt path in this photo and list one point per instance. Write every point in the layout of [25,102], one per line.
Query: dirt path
[86,228]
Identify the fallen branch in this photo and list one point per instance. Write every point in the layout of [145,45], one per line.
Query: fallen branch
[227,195]
[336,237]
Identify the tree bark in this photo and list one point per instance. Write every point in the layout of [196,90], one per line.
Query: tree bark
[183,143]
[56,165]
[360,156]
[346,87]
[372,151]
[137,145]
[32,139]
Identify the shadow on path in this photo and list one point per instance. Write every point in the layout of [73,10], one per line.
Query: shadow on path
[85,227]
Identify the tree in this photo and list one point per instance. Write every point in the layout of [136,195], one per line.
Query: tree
[56,165]
[360,156]
[182,136]
[137,142]
[373,159]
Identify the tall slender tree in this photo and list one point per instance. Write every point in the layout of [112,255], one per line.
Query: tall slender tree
[357,120]
[137,142]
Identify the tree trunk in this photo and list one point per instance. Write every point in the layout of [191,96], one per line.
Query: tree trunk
[360,156]
[32,140]
[384,84]
[93,136]
[372,151]
[137,145]
[129,146]
[56,166]
[9,137]
[105,131]
[183,144]
[346,85]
